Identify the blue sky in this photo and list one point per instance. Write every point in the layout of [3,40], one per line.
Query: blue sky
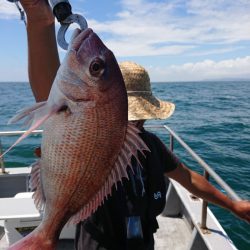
[175,40]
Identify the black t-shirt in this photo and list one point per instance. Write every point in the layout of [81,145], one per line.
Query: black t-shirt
[107,227]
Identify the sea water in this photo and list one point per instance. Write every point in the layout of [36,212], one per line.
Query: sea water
[213,118]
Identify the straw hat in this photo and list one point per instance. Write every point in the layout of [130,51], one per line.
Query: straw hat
[142,104]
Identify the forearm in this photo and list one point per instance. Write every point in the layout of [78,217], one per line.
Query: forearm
[43,59]
[200,187]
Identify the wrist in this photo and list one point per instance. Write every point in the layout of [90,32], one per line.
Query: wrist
[40,19]
[39,14]
[234,207]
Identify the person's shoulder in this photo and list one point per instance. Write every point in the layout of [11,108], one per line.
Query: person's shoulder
[150,138]
[147,134]
[158,148]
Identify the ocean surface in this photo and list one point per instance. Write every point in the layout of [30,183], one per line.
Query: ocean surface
[212,117]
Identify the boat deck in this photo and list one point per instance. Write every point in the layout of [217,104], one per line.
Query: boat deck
[173,233]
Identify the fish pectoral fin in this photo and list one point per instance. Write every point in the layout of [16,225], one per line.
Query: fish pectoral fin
[133,144]
[35,184]
[26,112]
[35,115]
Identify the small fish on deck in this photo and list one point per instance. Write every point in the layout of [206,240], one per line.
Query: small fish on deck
[87,142]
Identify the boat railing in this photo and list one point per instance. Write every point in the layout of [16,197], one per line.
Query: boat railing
[11,133]
[208,171]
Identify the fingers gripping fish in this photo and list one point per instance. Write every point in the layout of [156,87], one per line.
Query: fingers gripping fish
[87,142]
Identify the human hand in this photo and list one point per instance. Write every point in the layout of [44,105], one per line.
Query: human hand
[38,10]
[242,210]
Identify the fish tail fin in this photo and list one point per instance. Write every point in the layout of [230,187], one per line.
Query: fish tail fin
[36,115]
[34,241]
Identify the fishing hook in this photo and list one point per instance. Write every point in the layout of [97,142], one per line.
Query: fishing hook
[62,11]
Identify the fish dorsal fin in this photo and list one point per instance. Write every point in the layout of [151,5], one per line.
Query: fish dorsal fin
[35,184]
[132,145]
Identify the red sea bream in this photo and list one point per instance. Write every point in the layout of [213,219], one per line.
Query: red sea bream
[87,141]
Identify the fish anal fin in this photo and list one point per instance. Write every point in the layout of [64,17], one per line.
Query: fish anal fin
[132,145]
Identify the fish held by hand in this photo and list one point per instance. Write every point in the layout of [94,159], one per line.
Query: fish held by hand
[87,142]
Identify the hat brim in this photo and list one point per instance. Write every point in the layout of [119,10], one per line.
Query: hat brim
[145,106]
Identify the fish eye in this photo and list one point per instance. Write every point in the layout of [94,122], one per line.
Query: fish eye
[97,67]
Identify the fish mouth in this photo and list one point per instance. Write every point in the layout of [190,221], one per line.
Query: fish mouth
[87,46]
[83,35]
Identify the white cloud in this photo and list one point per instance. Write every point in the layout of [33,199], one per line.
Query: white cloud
[8,10]
[142,25]
[215,51]
[177,27]
[205,70]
